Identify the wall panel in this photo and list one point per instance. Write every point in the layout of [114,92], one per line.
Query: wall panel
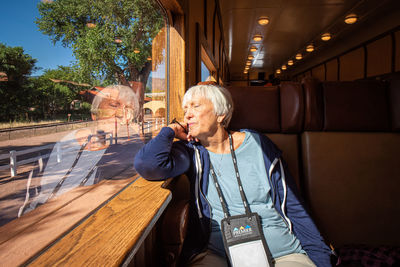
[352,65]
[332,70]
[379,56]
[217,38]
[319,72]
[210,15]
[177,74]
[195,14]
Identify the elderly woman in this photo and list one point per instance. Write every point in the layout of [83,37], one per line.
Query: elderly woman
[216,160]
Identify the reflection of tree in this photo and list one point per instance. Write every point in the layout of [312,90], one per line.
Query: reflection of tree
[106,35]
[55,90]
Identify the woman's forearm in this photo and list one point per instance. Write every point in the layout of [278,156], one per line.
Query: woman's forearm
[161,158]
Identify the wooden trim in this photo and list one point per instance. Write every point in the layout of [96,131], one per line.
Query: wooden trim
[221,67]
[213,32]
[393,67]
[203,52]
[205,20]
[172,5]
[198,53]
[107,237]
[338,68]
[177,75]
[221,29]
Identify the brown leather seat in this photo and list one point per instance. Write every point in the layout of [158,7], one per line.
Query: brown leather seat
[352,168]
[277,111]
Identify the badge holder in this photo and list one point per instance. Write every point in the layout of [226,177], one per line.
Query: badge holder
[243,237]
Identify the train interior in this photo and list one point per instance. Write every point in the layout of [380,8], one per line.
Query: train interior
[333,111]
[325,91]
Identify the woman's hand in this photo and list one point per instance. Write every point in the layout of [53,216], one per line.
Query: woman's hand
[181,131]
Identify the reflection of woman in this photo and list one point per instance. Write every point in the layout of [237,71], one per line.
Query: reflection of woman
[84,157]
[291,236]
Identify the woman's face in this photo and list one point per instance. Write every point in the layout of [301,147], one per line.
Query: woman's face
[200,117]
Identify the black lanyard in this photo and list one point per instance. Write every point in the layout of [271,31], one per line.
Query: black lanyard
[242,194]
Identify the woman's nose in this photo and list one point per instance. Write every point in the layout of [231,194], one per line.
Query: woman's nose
[188,113]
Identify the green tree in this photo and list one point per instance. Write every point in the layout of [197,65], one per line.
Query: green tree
[91,28]
[16,90]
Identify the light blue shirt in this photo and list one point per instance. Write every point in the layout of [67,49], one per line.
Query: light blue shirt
[256,187]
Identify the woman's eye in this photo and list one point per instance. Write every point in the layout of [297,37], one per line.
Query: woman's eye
[114,104]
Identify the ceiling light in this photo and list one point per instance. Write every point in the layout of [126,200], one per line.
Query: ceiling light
[136,51]
[148,58]
[299,56]
[257,37]
[263,21]
[283,67]
[290,62]
[326,36]
[278,71]
[310,48]
[248,63]
[253,49]
[245,72]
[250,57]
[351,18]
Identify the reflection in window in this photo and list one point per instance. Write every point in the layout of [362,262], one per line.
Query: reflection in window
[110,100]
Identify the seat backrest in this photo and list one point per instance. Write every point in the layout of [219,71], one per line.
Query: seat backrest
[352,167]
[277,111]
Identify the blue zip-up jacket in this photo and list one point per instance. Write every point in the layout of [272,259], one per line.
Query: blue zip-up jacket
[163,158]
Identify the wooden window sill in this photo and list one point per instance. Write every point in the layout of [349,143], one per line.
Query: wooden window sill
[55,233]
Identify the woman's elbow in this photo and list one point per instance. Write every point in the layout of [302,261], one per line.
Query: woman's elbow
[145,169]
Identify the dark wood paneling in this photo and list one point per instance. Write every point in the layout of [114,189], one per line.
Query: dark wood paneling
[319,72]
[332,70]
[379,56]
[352,65]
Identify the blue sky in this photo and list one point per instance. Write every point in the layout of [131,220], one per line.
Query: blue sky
[18,28]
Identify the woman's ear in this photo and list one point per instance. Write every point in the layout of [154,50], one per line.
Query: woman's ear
[220,118]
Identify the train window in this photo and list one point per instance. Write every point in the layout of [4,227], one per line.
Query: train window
[205,72]
[208,70]
[94,73]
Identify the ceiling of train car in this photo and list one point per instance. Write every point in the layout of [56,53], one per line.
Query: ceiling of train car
[293,24]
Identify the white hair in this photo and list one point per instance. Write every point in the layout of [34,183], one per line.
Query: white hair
[125,95]
[219,96]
